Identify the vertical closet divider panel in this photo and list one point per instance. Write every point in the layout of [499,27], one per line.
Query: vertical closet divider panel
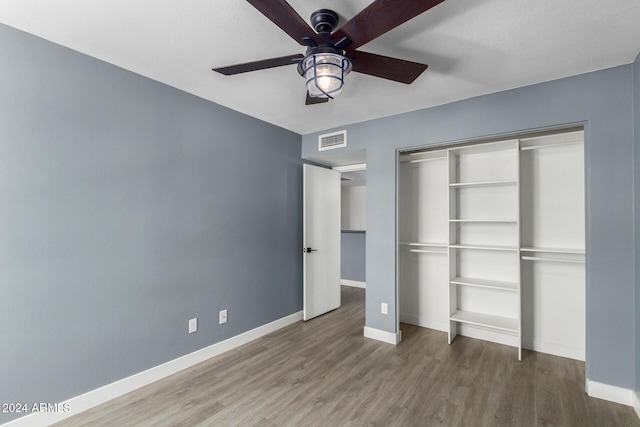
[453,252]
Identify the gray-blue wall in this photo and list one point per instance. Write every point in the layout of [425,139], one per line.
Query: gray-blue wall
[126,208]
[353,255]
[603,102]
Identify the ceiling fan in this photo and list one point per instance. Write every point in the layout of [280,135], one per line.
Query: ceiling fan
[330,54]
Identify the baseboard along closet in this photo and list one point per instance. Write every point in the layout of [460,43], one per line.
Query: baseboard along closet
[491,241]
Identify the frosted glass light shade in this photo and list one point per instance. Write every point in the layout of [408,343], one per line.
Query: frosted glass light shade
[324,73]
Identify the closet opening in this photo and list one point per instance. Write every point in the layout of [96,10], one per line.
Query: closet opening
[491,241]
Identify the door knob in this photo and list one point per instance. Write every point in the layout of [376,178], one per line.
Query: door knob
[308,250]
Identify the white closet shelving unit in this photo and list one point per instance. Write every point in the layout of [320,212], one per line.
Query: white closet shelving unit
[484,283]
[509,216]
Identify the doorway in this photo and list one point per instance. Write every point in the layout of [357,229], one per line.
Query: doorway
[352,240]
[353,225]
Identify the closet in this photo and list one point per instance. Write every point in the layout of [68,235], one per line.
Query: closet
[491,241]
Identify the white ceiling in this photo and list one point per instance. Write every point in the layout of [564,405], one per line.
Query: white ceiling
[473,47]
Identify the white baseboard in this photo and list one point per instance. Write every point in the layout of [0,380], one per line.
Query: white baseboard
[635,397]
[353,283]
[610,392]
[424,322]
[108,392]
[384,336]
[549,347]
[485,334]
[471,331]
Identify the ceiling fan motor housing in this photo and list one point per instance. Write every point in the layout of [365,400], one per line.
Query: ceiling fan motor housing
[324,20]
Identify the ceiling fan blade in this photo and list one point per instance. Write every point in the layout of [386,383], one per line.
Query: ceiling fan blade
[284,16]
[259,65]
[378,18]
[386,67]
[312,101]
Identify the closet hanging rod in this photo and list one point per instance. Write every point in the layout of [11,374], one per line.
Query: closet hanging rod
[435,245]
[422,251]
[535,258]
[554,250]
[559,144]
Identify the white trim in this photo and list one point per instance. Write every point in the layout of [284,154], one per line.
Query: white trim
[424,322]
[351,168]
[353,283]
[635,397]
[556,349]
[609,392]
[471,331]
[492,336]
[384,336]
[487,334]
[116,389]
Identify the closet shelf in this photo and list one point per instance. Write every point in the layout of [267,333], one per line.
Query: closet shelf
[506,324]
[423,156]
[483,283]
[510,145]
[435,153]
[484,247]
[483,183]
[561,138]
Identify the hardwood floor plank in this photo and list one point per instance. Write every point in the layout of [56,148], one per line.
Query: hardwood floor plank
[325,373]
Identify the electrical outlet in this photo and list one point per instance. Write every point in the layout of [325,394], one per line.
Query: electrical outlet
[383,308]
[193,325]
[223,316]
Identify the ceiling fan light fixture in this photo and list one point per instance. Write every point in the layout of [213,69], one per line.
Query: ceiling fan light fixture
[329,55]
[325,73]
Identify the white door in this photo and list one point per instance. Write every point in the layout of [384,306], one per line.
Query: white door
[321,240]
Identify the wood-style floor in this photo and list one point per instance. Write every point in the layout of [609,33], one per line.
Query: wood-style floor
[325,373]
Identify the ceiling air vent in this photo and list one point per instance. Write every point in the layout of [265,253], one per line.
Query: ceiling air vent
[329,141]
